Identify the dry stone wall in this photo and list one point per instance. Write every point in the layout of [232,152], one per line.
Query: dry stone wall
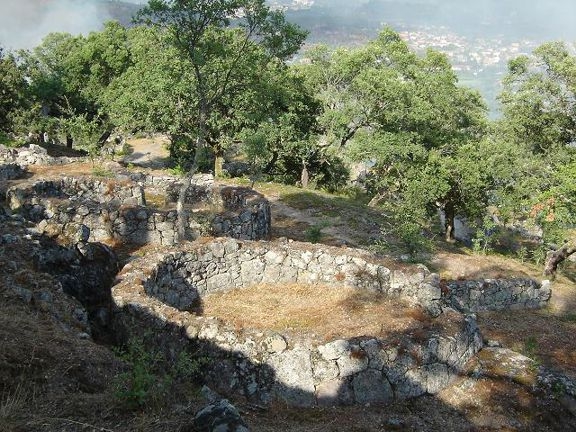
[117,209]
[31,155]
[263,365]
[182,278]
[496,294]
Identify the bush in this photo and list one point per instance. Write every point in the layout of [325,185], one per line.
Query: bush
[150,377]
[486,236]
[135,387]
[314,233]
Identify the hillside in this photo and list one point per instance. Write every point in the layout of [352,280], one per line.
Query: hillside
[55,377]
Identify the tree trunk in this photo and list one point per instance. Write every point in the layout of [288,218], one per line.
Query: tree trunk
[182,215]
[104,137]
[271,163]
[218,163]
[69,141]
[304,177]
[449,216]
[554,258]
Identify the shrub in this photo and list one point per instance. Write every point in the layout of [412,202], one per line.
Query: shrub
[150,377]
[135,387]
[314,233]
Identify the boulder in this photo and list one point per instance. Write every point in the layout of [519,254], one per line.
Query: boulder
[219,416]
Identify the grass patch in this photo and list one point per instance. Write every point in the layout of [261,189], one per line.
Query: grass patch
[326,311]
[102,172]
[322,202]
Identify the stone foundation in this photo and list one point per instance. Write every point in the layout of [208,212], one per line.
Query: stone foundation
[183,277]
[263,365]
[115,209]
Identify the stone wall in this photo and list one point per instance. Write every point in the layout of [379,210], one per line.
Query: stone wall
[117,209]
[263,365]
[182,277]
[245,213]
[11,171]
[31,155]
[496,294]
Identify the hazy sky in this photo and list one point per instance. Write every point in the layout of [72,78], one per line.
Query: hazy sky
[530,18]
[23,23]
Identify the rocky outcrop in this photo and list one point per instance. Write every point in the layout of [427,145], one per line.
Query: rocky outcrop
[496,294]
[86,272]
[11,171]
[219,416]
[35,283]
[262,365]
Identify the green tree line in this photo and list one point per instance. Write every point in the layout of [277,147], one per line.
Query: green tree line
[218,77]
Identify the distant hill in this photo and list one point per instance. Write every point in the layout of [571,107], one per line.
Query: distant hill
[120,11]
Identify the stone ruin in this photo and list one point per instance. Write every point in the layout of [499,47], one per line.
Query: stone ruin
[117,209]
[161,290]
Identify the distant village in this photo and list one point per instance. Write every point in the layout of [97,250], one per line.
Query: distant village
[467,55]
[291,4]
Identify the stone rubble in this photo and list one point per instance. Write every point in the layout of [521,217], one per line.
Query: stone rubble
[31,155]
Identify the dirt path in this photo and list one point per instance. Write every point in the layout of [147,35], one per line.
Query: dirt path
[148,152]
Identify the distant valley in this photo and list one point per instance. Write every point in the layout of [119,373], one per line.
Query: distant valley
[479,38]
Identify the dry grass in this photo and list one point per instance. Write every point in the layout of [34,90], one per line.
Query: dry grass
[157,201]
[12,402]
[320,310]
[74,169]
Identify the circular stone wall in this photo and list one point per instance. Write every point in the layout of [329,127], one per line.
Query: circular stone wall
[116,208]
[264,365]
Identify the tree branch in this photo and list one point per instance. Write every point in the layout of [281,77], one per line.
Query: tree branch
[555,258]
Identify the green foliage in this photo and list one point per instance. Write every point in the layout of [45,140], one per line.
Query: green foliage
[150,377]
[9,141]
[68,78]
[408,233]
[100,171]
[539,255]
[484,239]
[219,70]
[406,116]
[188,367]
[85,131]
[539,101]
[539,98]
[522,253]
[13,91]
[177,170]
[531,348]
[314,233]
[137,386]
[412,237]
